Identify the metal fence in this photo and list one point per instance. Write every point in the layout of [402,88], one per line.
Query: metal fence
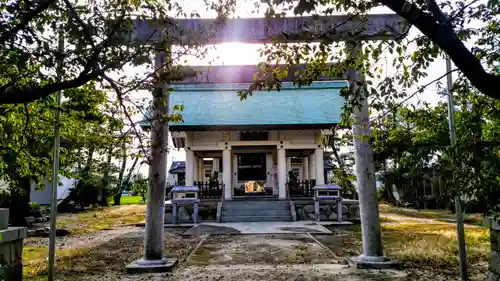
[209,189]
[302,188]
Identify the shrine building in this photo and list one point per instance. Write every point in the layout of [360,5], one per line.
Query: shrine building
[255,147]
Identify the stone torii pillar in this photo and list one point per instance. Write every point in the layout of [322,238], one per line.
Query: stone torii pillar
[373,255]
[154,238]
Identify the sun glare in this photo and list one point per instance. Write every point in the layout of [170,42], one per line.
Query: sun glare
[227,54]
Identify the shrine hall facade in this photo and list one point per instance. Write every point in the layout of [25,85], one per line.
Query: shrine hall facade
[268,145]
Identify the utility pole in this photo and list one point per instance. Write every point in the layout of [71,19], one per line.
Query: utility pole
[55,165]
[458,205]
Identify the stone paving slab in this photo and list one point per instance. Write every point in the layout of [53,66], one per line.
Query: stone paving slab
[269,227]
[268,249]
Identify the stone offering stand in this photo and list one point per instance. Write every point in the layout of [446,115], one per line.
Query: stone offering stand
[494,267]
[185,196]
[323,192]
[11,249]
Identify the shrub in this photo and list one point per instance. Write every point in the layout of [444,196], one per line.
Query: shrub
[35,209]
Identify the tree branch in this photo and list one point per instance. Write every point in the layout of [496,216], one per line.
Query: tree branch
[449,42]
[438,14]
[27,18]
[29,93]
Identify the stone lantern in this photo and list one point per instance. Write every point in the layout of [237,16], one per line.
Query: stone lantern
[11,249]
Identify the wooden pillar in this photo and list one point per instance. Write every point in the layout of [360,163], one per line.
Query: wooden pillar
[227,175]
[196,171]
[215,165]
[320,171]
[282,163]
[201,169]
[190,159]
[288,164]
[305,168]
[312,167]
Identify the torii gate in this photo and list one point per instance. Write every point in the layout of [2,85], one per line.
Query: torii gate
[260,31]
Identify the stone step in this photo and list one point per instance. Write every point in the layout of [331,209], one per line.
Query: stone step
[255,219]
[231,208]
[255,201]
[257,213]
[269,207]
[260,204]
[255,198]
[270,210]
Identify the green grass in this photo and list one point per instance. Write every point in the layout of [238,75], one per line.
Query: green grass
[130,200]
[126,200]
[429,238]
[443,215]
[35,257]
[102,218]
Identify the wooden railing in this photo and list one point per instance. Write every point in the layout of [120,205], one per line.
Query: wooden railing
[301,188]
[209,189]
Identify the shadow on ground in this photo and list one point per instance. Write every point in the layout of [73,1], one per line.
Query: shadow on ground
[298,229]
[210,229]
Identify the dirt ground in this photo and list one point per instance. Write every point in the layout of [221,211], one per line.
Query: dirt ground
[222,258]
[227,255]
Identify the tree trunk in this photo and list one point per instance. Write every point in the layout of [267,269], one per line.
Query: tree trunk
[124,164]
[79,162]
[81,183]
[20,202]
[88,164]
[389,197]
[121,186]
[337,157]
[105,179]
[126,182]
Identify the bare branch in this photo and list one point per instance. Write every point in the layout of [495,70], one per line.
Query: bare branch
[419,91]
[124,107]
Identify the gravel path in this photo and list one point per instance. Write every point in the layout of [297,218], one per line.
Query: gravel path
[86,240]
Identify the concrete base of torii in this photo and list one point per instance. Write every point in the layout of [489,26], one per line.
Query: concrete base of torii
[365,262]
[152,266]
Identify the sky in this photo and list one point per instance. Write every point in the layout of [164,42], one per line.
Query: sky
[241,54]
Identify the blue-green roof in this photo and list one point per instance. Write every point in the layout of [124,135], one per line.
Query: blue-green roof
[219,105]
